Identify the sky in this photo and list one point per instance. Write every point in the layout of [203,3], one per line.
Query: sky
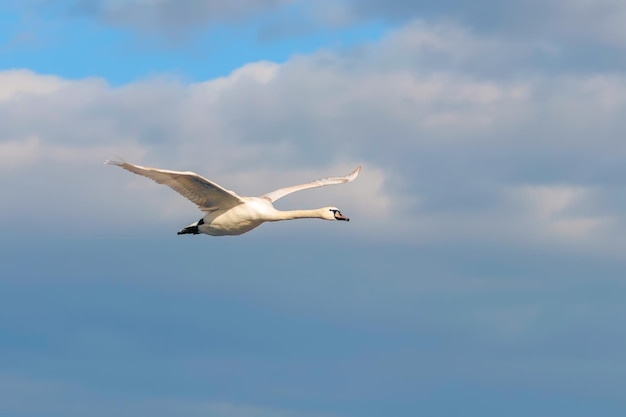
[482,271]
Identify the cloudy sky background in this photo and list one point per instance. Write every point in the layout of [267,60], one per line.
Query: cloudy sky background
[482,273]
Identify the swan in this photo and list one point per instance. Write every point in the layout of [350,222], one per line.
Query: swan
[227,213]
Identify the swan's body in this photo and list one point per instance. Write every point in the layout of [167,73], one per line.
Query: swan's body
[228,213]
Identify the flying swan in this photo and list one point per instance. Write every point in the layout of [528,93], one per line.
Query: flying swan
[227,213]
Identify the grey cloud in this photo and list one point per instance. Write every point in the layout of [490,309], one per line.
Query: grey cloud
[556,21]
[587,33]
[171,16]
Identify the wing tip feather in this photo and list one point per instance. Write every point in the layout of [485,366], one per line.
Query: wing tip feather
[119,162]
[351,176]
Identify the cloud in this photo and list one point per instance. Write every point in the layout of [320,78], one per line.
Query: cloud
[561,20]
[571,30]
[15,83]
[450,150]
[172,16]
[14,154]
[551,212]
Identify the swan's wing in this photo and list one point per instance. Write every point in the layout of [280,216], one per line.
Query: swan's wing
[275,195]
[206,194]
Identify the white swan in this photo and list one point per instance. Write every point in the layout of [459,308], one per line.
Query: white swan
[228,213]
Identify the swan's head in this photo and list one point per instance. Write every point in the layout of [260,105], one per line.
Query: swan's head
[333,213]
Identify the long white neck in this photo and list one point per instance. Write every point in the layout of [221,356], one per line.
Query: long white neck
[278,215]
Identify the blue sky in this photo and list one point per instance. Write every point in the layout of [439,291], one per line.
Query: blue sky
[64,40]
[482,271]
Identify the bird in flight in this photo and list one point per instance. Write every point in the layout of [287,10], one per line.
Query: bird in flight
[227,213]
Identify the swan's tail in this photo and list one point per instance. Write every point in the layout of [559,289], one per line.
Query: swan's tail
[192,229]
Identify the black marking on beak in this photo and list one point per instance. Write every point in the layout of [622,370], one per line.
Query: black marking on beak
[339,216]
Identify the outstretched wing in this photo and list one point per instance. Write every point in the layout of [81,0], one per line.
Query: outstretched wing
[206,194]
[275,195]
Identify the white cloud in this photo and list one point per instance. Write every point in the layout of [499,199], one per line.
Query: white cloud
[551,212]
[438,144]
[15,83]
